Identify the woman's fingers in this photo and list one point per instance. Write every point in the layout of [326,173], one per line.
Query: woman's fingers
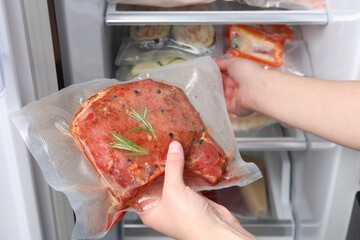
[174,168]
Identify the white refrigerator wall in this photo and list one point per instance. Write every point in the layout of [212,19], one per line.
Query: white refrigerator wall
[326,177]
[18,201]
[85,42]
[29,208]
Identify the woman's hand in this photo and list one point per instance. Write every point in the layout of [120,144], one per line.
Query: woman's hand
[182,213]
[239,77]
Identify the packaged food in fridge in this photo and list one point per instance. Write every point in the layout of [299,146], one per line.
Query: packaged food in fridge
[162,3]
[133,61]
[149,36]
[194,35]
[252,122]
[295,60]
[143,67]
[104,143]
[264,44]
[198,39]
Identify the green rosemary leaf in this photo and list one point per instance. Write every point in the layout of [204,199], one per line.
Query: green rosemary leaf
[140,116]
[137,129]
[127,145]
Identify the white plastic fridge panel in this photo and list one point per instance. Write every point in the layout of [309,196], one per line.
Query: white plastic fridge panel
[29,208]
[334,49]
[84,40]
[346,187]
[315,176]
[19,218]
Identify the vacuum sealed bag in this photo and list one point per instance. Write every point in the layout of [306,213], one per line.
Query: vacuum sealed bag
[199,40]
[104,143]
[134,61]
[147,47]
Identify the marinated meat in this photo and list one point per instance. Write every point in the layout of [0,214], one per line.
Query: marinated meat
[125,131]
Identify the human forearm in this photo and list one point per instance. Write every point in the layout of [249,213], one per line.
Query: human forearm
[222,230]
[329,109]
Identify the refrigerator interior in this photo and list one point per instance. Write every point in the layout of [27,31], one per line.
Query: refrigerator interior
[305,175]
[309,167]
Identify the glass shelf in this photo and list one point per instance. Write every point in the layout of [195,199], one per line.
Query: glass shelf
[272,138]
[215,13]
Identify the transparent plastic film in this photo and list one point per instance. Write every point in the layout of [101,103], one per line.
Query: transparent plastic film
[149,46]
[65,132]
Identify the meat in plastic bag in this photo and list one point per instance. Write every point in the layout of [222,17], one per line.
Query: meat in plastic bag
[103,143]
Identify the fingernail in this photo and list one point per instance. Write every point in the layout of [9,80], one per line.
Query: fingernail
[174,147]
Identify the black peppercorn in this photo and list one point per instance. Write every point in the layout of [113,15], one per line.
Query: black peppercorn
[136,91]
[171,135]
[201,141]
[158,91]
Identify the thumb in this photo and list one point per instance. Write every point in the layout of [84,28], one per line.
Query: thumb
[174,168]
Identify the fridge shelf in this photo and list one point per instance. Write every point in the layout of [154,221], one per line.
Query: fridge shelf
[225,13]
[272,138]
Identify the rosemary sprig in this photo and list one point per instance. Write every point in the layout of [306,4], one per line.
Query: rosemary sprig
[125,144]
[140,116]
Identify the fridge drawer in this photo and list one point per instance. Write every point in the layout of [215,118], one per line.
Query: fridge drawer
[274,220]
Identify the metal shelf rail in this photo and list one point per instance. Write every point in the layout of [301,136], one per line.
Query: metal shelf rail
[117,14]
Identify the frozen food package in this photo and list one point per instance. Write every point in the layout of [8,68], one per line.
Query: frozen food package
[161,3]
[149,36]
[276,46]
[198,39]
[260,43]
[104,143]
[133,61]
[252,122]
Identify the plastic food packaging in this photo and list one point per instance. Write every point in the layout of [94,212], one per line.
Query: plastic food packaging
[261,43]
[147,47]
[162,3]
[252,122]
[149,36]
[199,40]
[134,61]
[98,199]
